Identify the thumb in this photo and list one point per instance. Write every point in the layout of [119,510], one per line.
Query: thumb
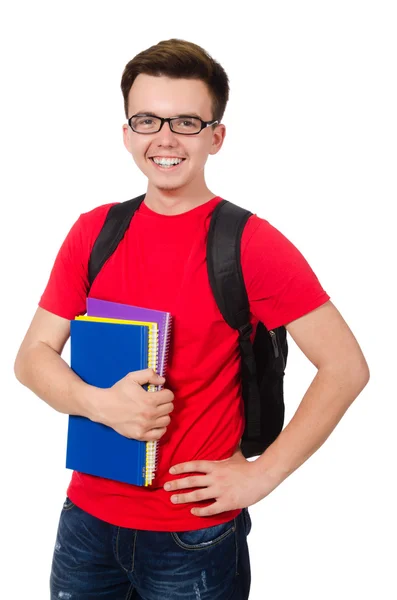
[146,376]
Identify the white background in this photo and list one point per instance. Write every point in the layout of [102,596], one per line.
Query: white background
[310,146]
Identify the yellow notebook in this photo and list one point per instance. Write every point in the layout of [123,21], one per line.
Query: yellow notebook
[153,351]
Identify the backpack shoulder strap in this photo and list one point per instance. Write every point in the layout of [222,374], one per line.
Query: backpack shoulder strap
[116,224]
[224,262]
[226,280]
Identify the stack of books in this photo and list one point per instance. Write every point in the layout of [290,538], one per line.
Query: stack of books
[111,341]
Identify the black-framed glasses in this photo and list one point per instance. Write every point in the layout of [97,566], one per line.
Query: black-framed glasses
[184,124]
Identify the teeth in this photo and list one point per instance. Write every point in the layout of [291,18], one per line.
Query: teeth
[167,161]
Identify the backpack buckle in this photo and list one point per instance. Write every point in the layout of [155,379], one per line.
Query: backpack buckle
[245,331]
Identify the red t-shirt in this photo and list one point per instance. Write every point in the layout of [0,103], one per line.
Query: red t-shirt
[161,264]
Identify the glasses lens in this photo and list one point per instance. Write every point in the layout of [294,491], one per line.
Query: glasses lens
[186,125]
[145,124]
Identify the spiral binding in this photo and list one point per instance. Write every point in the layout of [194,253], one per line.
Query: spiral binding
[152,448]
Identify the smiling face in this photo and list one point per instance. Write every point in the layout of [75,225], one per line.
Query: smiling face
[166,97]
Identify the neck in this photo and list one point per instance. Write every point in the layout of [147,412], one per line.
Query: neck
[176,201]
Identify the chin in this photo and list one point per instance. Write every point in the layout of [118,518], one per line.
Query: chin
[169,187]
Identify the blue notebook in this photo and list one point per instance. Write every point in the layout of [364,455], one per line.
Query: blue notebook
[101,354]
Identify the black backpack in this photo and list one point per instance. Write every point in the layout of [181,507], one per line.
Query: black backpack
[262,362]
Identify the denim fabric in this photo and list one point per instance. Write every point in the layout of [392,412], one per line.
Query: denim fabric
[95,560]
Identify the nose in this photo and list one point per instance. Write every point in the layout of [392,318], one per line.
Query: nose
[166,136]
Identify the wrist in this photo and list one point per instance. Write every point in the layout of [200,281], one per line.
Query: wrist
[270,469]
[89,401]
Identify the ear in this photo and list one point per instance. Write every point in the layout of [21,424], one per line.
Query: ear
[218,137]
[126,137]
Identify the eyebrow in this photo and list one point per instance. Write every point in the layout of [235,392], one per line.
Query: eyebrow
[184,115]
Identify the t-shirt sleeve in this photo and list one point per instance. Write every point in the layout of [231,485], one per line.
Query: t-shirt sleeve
[66,290]
[280,283]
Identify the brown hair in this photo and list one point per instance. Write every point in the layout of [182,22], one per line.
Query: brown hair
[181,60]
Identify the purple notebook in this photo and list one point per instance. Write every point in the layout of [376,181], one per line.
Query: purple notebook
[115,310]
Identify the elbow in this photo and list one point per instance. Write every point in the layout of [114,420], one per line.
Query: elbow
[359,375]
[21,363]
[351,373]
[18,367]
[362,371]
[365,375]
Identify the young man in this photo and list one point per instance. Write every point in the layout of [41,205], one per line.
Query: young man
[186,535]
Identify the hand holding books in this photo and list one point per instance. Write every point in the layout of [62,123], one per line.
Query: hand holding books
[132,411]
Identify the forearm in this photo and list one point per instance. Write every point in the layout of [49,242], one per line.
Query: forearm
[330,394]
[43,371]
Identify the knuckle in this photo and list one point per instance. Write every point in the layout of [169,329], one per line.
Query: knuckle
[139,433]
[190,482]
[148,414]
[151,400]
[160,433]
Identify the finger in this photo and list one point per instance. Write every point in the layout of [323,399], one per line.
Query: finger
[160,398]
[195,496]
[203,466]
[145,376]
[187,482]
[208,511]
[164,409]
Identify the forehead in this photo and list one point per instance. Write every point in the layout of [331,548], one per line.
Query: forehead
[165,96]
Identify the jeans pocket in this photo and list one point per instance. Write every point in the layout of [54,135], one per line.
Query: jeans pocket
[204,538]
[68,504]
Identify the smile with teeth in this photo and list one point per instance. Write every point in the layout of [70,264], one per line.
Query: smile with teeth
[167,163]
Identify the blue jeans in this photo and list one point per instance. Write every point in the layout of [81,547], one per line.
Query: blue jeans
[94,560]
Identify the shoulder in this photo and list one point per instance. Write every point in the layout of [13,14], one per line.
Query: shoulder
[281,285]
[267,255]
[96,216]
[89,223]
[261,237]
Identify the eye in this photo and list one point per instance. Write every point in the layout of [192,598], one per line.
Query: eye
[187,123]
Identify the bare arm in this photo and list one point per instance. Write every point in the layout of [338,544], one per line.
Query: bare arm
[40,367]
[126,406]
[326,340]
